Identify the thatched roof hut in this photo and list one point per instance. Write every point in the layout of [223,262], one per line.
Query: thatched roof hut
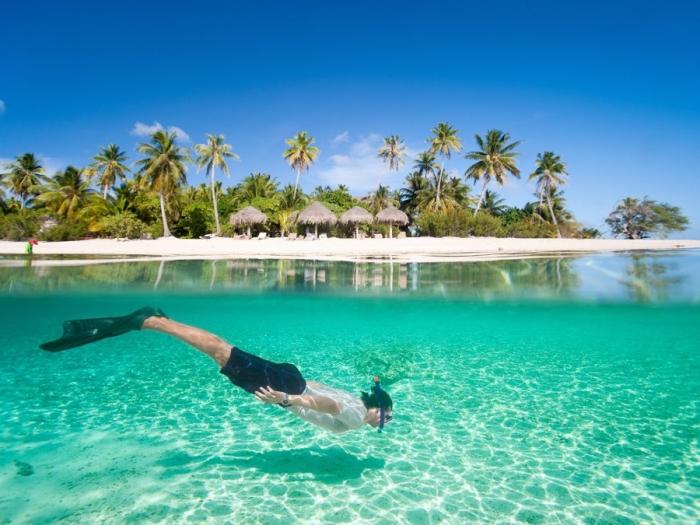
[247,217]
[392,215]
[316,213]
[356,216]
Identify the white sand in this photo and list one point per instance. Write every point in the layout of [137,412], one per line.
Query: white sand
[409,249]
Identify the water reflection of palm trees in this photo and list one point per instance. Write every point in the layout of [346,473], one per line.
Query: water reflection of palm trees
[649,278]
[484,279]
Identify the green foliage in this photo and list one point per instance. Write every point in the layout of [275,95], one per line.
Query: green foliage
[122,225]
[19,226]
[68,230]
[589,233]
[337,200]
[459,222]
[531,227]
[639,219]
[196,219]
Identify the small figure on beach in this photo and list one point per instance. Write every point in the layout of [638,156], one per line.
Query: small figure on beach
[29,247]
[273,383]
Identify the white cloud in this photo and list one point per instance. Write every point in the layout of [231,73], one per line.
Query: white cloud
[144,130]
[341,138]
[361,169]
[2,106]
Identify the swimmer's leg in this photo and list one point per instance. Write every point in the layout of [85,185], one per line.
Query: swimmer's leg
[206,342]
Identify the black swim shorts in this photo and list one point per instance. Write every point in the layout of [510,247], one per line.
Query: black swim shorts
[251,372]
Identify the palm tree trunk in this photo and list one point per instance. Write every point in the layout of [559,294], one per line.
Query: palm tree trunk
[104,192]
[551,214]
[296,185]
[166,230]
[216,206]
[481,198]
[439,184]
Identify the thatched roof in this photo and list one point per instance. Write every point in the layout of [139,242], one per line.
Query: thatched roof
[317,213]
[392,215]
[248,215]
[356,215]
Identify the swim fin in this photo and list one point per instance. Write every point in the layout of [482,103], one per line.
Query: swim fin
[80,332]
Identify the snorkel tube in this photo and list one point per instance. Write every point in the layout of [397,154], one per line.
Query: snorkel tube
[377,389]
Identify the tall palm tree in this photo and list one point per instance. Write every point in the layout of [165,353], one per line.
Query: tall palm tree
[393,152]
[494,160]
[443,142]
[67,193]
[550,173]
[23,177]
[108,166]
[163,168]
[300,155]
[213,155]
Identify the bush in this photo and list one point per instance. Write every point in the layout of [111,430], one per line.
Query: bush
[452,223]
[532,228]
[18,226]
[459,222]
[196,220]
[485,225]
[65,231]
[122,225]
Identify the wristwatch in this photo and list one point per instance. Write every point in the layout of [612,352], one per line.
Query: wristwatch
[285,401]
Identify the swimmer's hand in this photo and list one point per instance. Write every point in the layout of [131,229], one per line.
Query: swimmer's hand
[268,395]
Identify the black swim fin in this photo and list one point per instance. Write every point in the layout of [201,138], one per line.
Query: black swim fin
[80,332]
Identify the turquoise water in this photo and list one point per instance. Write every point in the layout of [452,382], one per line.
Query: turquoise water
[544,391]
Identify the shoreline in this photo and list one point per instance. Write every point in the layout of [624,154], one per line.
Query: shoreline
[411,249]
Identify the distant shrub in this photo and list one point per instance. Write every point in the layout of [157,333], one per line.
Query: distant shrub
[65,231]
[122,225]
[18,226]
[485,225]
[531,228]
[452,223]
[196,220]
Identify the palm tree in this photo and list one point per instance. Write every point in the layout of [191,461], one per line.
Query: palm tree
[494,160]
[443,142]
[393,152]
[23,177]
[291,200]
[67,193]
[257,185]
[408,195]
[550,174]
[380,199]
[300,155]
[108,166]
[163,169]
[493,203]
[213,155]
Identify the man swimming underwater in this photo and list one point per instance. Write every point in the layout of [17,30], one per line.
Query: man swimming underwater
[279,383]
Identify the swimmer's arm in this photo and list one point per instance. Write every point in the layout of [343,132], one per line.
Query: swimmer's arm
[319,403]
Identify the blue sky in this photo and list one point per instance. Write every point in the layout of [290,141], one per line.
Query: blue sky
[612,87]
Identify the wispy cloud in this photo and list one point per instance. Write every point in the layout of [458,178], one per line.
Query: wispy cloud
[144,130]
[2,106]
[360,168]
[341,138]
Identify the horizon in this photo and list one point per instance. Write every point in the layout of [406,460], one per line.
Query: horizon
[611,89]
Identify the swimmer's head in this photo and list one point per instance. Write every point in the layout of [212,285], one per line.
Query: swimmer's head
[380,408]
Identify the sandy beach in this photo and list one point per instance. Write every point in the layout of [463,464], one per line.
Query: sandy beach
[418,249]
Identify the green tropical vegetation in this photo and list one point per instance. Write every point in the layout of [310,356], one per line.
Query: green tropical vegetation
[147,197]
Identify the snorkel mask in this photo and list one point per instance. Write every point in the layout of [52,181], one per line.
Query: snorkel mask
[377,389]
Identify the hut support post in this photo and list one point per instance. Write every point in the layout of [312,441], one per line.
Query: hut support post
[391,231]
[316,231]
[248,231]
[357,232]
